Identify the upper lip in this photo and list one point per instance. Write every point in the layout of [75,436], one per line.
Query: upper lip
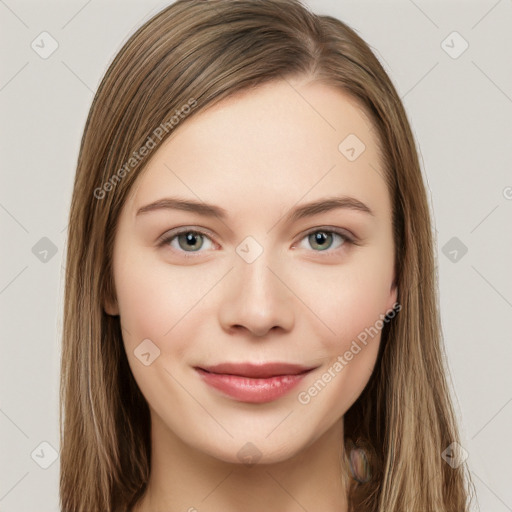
[264,370]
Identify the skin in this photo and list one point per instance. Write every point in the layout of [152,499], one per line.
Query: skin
[258,155]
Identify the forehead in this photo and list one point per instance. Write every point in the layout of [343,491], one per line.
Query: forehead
[269,147]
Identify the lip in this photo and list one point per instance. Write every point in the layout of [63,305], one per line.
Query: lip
[253,383]
[261,370]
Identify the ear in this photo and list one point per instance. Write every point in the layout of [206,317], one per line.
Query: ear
[393,295]
[110,307]
[108,298]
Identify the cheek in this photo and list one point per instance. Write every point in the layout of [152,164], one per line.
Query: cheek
[154,306]
[350,300]
[344,301]
[150,302]
[352,306]
[158,302]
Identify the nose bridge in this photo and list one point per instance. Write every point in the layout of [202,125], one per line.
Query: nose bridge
[256,299]
[253,267]
[257,282]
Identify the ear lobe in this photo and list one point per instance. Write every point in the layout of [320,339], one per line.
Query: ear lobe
[111,309]
[108,298]
[393,295]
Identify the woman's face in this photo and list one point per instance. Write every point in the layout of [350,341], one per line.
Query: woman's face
[264,277]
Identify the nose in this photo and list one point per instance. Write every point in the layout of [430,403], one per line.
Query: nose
[256,299]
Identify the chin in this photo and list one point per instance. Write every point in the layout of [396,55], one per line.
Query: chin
[248,453]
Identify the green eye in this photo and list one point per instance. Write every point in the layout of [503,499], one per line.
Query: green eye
[321,240]
[187,240]
[190,240]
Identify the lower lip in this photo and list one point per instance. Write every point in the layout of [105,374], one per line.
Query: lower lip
[245,389]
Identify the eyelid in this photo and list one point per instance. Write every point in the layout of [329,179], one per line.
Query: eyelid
[344,233]
[349,237]
[169,235]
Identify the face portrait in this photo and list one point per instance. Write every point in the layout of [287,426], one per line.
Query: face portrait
[251,238]
[249,214]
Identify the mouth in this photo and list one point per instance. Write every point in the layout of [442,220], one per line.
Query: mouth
[253,383]
[256,371]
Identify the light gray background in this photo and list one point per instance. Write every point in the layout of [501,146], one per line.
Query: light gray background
[460,111]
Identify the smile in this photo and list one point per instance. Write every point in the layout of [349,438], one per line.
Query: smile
[251,383]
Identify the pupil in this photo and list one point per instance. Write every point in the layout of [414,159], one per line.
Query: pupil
[320,238]
[191,240]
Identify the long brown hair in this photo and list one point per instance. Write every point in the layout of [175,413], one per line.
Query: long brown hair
[196,53]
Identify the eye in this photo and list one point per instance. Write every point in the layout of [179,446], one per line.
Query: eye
[186,240]
[191,240]
[322,240]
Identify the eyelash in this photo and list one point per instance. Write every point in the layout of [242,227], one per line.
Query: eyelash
[347,239]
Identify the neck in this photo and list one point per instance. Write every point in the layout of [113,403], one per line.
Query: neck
[184,478]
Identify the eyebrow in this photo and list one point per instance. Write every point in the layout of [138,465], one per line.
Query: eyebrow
[306,210]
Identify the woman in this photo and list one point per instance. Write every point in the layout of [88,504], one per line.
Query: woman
[251,318]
